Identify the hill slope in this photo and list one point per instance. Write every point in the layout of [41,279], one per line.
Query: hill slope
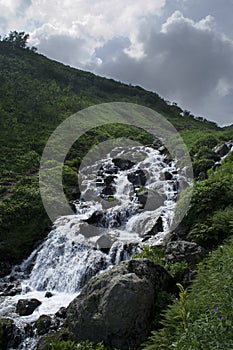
[36,94]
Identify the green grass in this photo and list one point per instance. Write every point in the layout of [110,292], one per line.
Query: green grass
[208,309]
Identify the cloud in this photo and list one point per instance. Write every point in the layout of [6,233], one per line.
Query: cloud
[187,61]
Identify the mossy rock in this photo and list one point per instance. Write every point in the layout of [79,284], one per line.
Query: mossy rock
[43,324]
[10,336]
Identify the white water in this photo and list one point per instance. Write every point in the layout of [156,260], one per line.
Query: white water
[71,253]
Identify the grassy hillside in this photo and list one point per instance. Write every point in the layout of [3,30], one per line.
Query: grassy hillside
[36,94]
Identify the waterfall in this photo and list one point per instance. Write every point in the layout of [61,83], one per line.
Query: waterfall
[124,204]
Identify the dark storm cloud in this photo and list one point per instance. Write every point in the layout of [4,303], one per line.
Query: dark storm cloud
[186,62]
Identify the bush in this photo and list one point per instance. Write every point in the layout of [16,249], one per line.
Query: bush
[216,228]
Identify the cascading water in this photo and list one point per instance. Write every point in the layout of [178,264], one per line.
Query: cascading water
[124,204]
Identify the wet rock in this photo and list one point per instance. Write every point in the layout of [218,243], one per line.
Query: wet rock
[43,324]
[108,169]
[103,219]
[158,227]
[123,251]
[108,191]
[109,180]
[117,307]
[162,150]
[10,335]
[95,218]
[87,230]
[10,289]
[168,176]
[91,270]
[184,251]
[61,313]
[223,150]
[137,178]
[157,144]
[123,164]
[105,242]
[151,200]
[26,307]
[48,295]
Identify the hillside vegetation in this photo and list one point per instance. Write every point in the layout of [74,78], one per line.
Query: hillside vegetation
[36,94]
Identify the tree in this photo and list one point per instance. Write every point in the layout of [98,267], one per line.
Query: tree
[17,39]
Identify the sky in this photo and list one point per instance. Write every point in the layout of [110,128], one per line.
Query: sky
[181,49]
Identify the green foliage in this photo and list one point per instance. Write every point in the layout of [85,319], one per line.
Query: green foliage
[65,345]
[155,254]
[201,166]
[214,230]
[210,195]
[69,345]
[203,318]
[16,39]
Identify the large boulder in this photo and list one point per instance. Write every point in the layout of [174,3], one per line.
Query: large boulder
[26,307]
[150,199]
[10,335]
[123,164]
[43,324]
[118,306]
[137,178]
[184,251]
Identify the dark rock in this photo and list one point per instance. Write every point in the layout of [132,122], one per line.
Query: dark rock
[184,251]
[158,227]
[26,307]
[95,218]
[123,164]
[137,178]
[162,150]
[48,295]
[61,313]
[13,289]
[212,156]
[108,191]
[5,268]
[117,307]
[168,176]
[222,150]
[10,335]
[109,180]
[43,324]
[102,219]
[123,251]
[157,144]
